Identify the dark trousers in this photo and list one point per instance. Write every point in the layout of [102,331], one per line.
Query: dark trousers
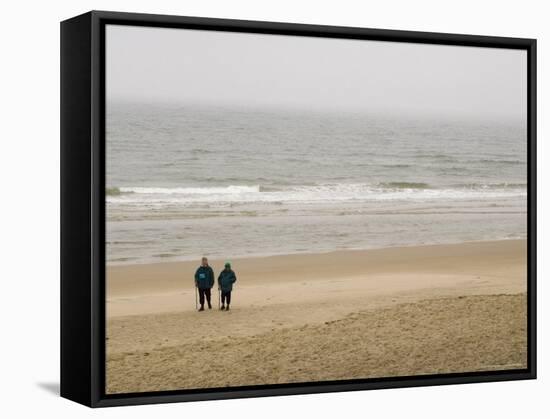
[226,296]
[204,292]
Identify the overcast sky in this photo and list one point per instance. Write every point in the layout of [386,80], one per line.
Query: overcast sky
[189,66]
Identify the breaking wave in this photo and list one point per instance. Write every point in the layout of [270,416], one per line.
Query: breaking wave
[336,192]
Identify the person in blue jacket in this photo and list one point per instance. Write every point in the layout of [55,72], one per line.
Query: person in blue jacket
[204,281]
[226,279]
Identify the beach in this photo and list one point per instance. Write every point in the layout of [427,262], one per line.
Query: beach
[377,226]
[346,314]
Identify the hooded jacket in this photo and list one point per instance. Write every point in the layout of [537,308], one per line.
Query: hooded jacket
[226,280]
[204,277]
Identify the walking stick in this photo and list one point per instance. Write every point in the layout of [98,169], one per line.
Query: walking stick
[196,297]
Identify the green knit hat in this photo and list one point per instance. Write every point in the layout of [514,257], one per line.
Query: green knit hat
[228,264]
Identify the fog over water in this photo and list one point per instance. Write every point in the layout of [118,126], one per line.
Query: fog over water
[187,66]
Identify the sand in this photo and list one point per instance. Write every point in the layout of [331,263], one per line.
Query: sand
[340,315]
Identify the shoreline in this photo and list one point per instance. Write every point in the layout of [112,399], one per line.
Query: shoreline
[117,264]
[328,252]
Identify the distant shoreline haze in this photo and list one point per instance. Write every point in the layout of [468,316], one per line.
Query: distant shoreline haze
[390,113]
[152,65]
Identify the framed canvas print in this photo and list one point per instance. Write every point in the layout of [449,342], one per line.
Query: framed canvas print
[253,208]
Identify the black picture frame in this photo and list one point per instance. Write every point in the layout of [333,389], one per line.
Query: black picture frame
[83,206]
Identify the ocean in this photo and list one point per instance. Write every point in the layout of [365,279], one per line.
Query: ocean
[185,181]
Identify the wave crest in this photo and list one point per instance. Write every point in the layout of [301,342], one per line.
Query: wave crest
[324,193]
[232,189]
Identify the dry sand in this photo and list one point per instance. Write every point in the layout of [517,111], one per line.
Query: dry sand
[340,315]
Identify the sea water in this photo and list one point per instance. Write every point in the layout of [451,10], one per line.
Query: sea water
[184,181]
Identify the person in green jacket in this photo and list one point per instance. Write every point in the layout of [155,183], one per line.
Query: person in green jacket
[204,281]
[226,279]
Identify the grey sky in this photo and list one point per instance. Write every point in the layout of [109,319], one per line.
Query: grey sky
[186,66]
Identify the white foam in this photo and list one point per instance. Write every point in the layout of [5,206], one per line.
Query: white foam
[232,189]
[236,194]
